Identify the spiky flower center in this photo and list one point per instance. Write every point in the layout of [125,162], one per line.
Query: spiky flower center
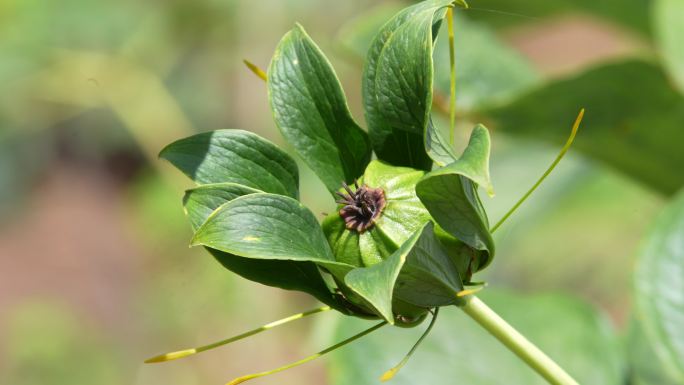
[362,206]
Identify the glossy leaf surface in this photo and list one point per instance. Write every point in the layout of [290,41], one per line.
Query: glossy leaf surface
[235,156]
[311,111]
[459,351]
[633,121]
[267,226]
[487,70]
[659,283]
[397,84]
[401,217]
[200,202]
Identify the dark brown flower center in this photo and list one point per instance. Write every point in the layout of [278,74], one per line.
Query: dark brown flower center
[361,206]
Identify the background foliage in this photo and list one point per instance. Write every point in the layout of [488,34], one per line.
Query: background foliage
[95,274]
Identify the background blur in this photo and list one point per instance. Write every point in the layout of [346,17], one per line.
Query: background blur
[95,272]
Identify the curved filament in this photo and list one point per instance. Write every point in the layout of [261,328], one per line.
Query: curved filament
[188,352]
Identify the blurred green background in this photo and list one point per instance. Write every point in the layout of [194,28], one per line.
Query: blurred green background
[95,272]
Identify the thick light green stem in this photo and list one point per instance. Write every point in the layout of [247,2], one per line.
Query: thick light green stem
[516,342]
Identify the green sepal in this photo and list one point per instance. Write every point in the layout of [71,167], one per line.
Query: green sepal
[418,275]
[450,195]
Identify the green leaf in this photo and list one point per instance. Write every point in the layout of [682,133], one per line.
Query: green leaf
[429,277]
[669,29]
[633,120]
[235,156]
[419,273]
[200,202]
[487,70]
[659,284]
[311,111]
[437,148]
[376,283]
[450,194]
[397,84]
[458,351]
[268,226]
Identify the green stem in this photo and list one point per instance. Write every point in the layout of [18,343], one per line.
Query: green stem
[452,76]
[516,342]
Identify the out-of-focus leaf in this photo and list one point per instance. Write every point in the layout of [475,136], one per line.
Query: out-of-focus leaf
[235,156]
[633,14]
[459,351]
[659,283]
[486,69]
[397,84]
[429,277]
[305,276]
[669,29]
[311,111]
[633,122]
[645,366]
[268,226]
[450,194]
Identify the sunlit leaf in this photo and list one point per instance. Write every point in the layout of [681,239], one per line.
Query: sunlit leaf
[268,226]
[487,70]
[397,84]
[235,156]
[202,201]
[311,111]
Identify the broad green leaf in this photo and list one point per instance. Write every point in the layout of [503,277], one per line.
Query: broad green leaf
[235,156]
[633,120]
[487,70]
[458,351]
[201,201]
[311,111]
[397,84]
[450,194]
[268,226]
[376,283]
[659,284]
[668,23]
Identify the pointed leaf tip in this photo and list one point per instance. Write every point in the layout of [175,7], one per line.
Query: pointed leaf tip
[170,356]
[313,116]
[388,375]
